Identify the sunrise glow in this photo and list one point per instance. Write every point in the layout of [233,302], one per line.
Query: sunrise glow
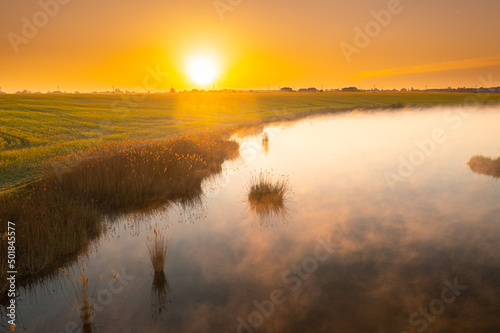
[202,69]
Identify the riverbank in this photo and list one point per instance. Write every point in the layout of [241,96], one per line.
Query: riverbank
[36,127]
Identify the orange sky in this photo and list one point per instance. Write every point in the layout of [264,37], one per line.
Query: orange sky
[94,44]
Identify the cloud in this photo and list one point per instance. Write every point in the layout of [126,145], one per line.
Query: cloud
[427,68]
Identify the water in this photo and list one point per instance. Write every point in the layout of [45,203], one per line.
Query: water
[377,229]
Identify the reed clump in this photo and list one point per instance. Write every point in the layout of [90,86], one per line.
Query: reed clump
[485,165]
[266,188]
[158,245]
[267,198]
[118,175]
[61,211]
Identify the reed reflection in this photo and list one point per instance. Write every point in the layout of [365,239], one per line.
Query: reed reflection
[158,249]
[161,294]
[82,294]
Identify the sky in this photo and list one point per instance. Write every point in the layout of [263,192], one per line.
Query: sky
[146,45]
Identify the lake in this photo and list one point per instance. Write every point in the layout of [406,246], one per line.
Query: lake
[385,229]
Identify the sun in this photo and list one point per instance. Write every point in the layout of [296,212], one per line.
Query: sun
[202,69]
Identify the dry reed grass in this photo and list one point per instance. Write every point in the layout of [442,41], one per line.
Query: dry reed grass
[158,245]
[57,214]
[485,165]
[83,298]
[267,197]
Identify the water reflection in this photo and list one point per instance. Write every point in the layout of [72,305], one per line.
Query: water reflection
[188,209]
[269,215]
[42,284]
[485,166]
[355,255]
[193,208]
[158,249]
[81,293]
[160,296]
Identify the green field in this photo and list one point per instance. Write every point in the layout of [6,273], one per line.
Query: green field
[34,128]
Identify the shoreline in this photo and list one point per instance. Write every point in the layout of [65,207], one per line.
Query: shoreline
[20,174]
[250,127]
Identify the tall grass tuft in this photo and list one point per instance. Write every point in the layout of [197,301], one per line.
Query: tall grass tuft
[158,246]
[267,188]
[267,196]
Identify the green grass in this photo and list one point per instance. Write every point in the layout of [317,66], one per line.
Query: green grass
[35,127]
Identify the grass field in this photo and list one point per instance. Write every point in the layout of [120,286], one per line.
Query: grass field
[34,128]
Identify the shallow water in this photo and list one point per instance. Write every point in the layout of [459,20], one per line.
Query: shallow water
[377,229]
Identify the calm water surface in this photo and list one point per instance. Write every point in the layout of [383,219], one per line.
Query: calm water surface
[387,229]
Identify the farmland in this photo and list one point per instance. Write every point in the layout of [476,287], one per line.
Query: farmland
[34,128]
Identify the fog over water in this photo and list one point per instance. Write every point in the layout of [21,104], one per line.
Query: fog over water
[387,229]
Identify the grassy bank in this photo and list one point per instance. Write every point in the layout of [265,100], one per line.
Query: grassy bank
[57,214]
[82,156]
[34,128]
